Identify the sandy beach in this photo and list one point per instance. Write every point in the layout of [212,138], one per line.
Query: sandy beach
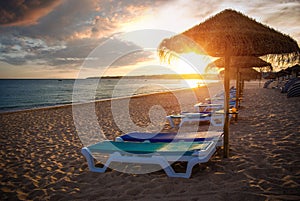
[41,159]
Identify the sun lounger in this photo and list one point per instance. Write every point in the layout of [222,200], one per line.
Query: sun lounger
[220,100]
[208,107]
[159,153]
[288,84]
[169,137]
[267,83]
[214,118]
[294,90]
[188,117]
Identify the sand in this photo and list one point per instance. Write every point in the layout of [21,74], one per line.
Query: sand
[41,159]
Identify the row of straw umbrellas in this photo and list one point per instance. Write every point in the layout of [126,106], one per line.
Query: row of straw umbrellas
[290,71]
[241,68]
[231,35]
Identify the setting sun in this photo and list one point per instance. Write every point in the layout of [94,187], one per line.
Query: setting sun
[193,83]
[190,63]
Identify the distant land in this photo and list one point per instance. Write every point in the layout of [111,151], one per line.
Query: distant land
[165,76]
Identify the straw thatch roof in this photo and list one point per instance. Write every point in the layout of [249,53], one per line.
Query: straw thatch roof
[241,62]
[230,33]
[245,73]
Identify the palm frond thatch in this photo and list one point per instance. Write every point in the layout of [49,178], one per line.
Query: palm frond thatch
[240,62]
[243,62]
[230,33]
[245,73]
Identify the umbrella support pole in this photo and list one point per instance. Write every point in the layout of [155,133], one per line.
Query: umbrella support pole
[240,85]
[226,106]
[237,93]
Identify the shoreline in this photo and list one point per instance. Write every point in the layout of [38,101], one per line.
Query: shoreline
[83,103]
[104,99]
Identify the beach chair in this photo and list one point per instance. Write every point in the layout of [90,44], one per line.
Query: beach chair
[169,137]
[267,83]
[213,118]
[220,100]
[294,90]
[288,84]
[159,153]
[208,107]
[188,117]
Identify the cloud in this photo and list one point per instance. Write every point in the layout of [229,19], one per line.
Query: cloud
[18,50]
[62,33]
[74,19]
[107,51]
[20,12]
[278,14]
[285,19]
[67,34]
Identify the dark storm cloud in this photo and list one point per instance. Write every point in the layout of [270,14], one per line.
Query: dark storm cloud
[21,12]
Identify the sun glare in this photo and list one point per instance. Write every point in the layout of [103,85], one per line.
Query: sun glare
[180,66]
[193,83]
[165,14]
[186,63]
[190,63]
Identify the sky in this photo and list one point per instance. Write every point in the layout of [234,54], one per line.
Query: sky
[76,38]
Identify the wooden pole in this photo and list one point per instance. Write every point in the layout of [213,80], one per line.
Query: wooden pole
[237,93]
[243,85]
[260,77]
[226,106]
[240,85]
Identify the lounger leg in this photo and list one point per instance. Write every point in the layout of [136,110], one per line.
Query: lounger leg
[187,174]
[191,163]
[171,121]
[181,123]
[90,160]
[171,173]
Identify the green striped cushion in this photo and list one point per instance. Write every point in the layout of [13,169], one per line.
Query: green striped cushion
[186,148]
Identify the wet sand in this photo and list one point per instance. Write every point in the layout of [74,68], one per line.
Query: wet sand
[41,159]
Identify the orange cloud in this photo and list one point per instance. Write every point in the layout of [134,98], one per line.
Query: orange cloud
[24,13]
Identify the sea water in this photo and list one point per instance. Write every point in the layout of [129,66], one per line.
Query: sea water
[23,94]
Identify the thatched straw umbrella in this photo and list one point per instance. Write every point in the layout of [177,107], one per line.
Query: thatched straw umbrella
[243,74]
[227,34]
[241,62]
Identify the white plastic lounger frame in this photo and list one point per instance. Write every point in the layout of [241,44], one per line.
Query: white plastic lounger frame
[188,117]
[214,119]
[208,107]
[199,156]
